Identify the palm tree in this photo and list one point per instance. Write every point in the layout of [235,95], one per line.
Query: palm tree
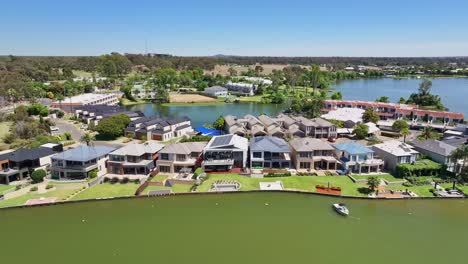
[461,153]
[405,132]
[427,133]
[88,139]
[373,182]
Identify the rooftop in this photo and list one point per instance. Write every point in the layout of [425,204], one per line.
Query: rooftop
[138,149]
[345,114]
[309,144]
[85,98]
[434,146]
[396,148]
[229,140]
[184,148]
[28,154]
[270,144]
[353,148]
[84,153]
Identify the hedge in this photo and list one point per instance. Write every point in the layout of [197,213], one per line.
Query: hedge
[424,167]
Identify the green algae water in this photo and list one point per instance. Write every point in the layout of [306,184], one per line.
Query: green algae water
[237,228]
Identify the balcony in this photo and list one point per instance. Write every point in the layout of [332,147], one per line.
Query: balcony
[218,162]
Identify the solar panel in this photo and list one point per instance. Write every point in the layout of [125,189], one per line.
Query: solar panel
[221,141]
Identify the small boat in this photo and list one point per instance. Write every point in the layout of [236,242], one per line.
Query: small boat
[341,209]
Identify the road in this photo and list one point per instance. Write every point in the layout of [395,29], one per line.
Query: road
[65,126]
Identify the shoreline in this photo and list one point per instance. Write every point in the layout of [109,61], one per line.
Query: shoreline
[233,193]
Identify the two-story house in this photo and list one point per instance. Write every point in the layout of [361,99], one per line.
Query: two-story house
[357,158]
[175,157]
[272,127]
[19,164]
[159,128]
[395,152]
[269,153]
[78,162]
[317,127]
[134,160]
[313,154]
[225,152]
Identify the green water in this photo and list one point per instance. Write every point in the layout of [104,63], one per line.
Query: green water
[237,228]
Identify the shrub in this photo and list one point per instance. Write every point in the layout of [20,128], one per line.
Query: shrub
[33,189]
[18,187]
[93,174]
[137,181]
[49,186]
[114,180]
[106,179]
[271,174]
[38,175]
[67,136]
[124,180]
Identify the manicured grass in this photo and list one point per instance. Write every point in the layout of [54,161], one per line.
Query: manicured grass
[125,101]
[255,98]
[422,191]
[303,183]
[107,190]
[159,178]
[4,188]
[61,195]
[177,188]
[387,177]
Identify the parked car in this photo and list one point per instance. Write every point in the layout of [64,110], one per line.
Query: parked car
[332,139]
[54,129]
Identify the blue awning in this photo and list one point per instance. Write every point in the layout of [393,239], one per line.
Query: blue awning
[208,132]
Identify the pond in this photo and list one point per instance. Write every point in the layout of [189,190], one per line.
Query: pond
[237,228]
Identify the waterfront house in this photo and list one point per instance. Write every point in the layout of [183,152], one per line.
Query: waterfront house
[316,127]
[216,91]
[233,126]
[312,153]
[254,126]
[357,158]
[395,152]
[134,160]
[272,127]
[92,114]
[225,152]
[291,127]
[159,128]
[78,162]
[175,157]
[245,89]
[436,150]
[349,116]
[269,153]
[19,164]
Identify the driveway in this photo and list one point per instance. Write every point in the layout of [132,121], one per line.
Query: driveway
[65,126]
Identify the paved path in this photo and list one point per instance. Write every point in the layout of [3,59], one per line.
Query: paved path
[65,126]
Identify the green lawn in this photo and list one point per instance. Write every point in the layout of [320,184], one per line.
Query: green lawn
[4,188]
[177,188]
[79,73]
[387,177]
[61,195]
[107,190]
[304,183]
[159,178]
[422,191]
[255,98]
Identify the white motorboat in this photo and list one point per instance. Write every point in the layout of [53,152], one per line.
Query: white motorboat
[341,209]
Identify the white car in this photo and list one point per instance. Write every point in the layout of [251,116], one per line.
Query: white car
[54,129]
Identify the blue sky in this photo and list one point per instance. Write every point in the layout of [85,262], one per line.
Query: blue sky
[267,28]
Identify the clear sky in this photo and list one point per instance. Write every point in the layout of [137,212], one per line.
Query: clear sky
[236,27]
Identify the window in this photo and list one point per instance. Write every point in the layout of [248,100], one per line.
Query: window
[164,168]
[164,156]
[304,154]
[257,155]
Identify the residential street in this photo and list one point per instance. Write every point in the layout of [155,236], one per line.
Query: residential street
[65,126]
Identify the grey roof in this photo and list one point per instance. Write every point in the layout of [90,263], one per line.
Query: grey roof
[228,141]
[434,146]
[215,89]
[84,153]
[138,149]
[456,141]
[271,144]
[27,154]
[221,140]
[152,120]
[183,148]
[309,144]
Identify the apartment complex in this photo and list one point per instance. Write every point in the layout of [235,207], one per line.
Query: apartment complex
[92,114]
[69,104]
[216,91]
[159,128]
[245,89]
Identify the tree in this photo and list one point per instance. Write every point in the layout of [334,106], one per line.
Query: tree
[383,99]
[232,71]
[87,138]
[258,69]
[219,123]
[428,133]
[336,96]
[405,132]
[373,183]
[38,175]
[113,127]
[402,100]
[361,131]
[460,169]
[400,125]
[370,115]
[425,98]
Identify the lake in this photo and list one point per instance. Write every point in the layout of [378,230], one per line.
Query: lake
[237,228]
[453,91]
